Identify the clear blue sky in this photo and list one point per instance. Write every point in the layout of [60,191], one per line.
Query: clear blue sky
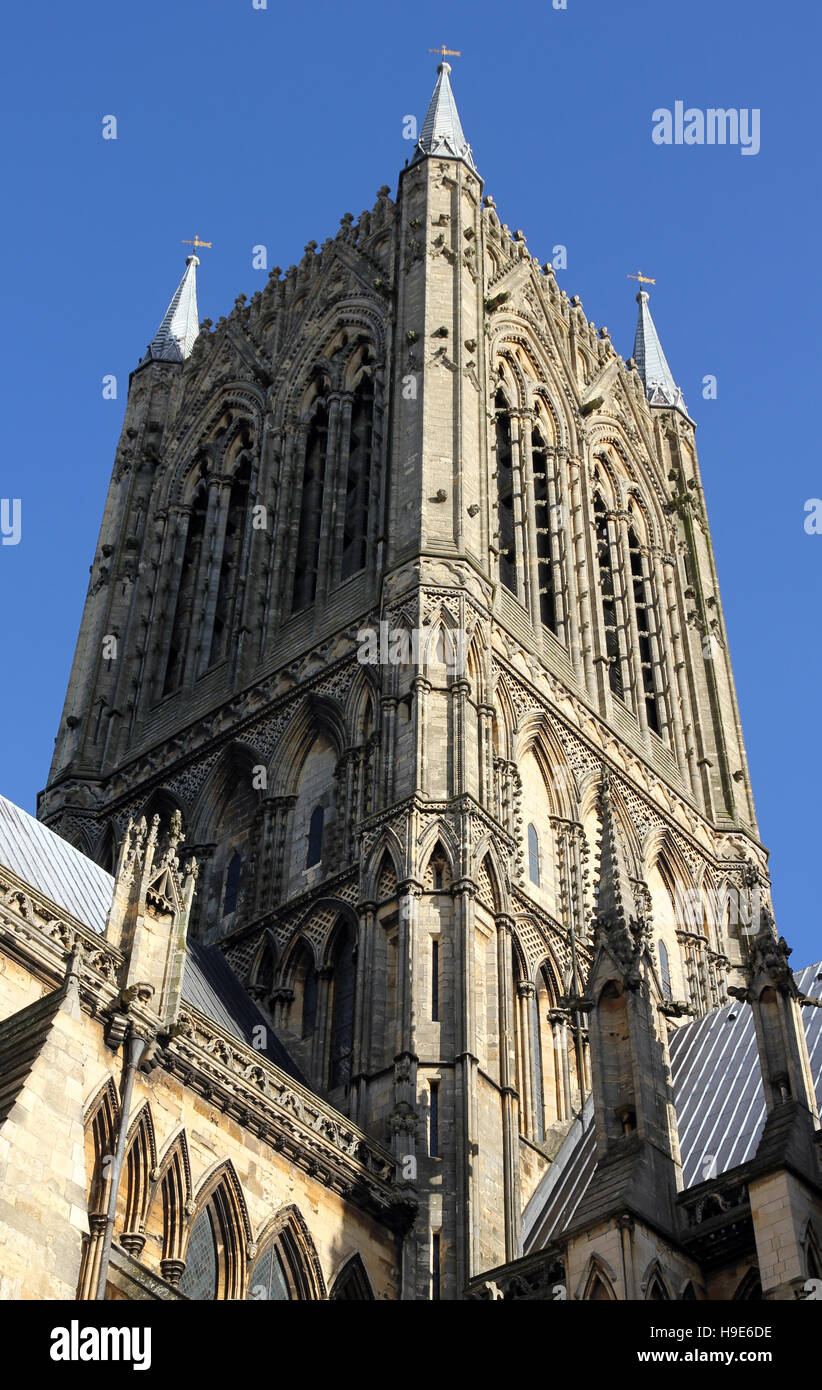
[265,126]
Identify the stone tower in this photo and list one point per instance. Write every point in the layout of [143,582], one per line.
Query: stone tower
[398,559]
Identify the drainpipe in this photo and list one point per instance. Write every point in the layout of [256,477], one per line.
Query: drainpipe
[136,1048]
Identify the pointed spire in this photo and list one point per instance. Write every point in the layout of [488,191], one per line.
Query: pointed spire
[657,378]
[441,132]
[178,331]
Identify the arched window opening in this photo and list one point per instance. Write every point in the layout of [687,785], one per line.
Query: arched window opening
[639,581]
[657,1293]
[342,1025]
[505,496]
[665,970]
[352,1283]
[358,480]
[232,884]
[599,1292]
[186,591]
[543,518]
[199,1278]
[268,1278]
[609,604]
[533,855]
[315,837]
[226,613]
[750,1289]
[306,560]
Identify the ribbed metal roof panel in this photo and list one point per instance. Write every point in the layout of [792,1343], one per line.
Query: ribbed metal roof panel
[720,1109]
[55,868]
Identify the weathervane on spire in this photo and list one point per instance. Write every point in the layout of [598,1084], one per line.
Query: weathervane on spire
[446,52]
[195,243]
[643,279]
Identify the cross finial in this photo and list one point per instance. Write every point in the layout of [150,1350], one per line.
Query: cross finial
[195,243]
[643,279]
[446,52]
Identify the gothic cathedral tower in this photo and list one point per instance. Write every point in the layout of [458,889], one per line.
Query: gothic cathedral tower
[398,559]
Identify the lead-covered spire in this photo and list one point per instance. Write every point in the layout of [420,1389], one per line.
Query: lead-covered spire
[178,331]
[442,132]
[657,378]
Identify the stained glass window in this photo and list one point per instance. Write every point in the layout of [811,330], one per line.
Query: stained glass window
[268,1279]
[199,1279]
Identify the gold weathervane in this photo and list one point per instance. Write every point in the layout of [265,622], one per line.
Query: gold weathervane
[195,243]
[643,279]
[446,52]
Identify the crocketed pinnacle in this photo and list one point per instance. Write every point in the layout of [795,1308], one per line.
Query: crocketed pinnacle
[657,378]
[178,331]
[616,906]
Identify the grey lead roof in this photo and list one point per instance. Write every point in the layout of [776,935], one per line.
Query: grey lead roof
[54,867]
[720,1109]
[178,331]
[78,886]
[210,985]
[657,377]
[441,132]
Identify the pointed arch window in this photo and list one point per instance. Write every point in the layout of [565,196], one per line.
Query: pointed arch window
[505,496]
[232,883]
[533,855]
[545,533]
[315,837]
[657,1292]
[358,480]
[607,565]
[186,590]
[312,495]
[342,1018]
[226,613]
[352,1283]
[642,608]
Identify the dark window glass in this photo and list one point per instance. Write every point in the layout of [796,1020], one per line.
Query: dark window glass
[435,981]
[358,482]
[434,1122]
[225,614]
[232,883]
[342,1027]
[199,1280]
[268,1279]
[606,587]
[546,537]
[643,622]
[505,497]
[315,837]
[665,970]
[186,595]
[435,1265]
[307,559]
